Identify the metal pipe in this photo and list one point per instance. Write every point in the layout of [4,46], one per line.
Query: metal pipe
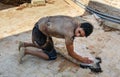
[102,15]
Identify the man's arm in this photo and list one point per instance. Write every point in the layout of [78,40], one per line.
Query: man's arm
[71,52]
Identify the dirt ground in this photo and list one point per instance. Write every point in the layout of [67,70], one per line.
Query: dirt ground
[16,25]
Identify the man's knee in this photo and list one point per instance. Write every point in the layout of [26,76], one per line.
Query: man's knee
[52,54]
[53,58]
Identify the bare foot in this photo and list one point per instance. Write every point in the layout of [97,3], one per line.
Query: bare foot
[21,54]
[21,44]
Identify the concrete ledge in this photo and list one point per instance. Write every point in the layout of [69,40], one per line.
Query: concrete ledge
[112,25]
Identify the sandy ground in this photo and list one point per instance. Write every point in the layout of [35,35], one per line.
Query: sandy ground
[16,25]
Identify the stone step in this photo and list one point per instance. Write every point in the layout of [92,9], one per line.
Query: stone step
[38,2]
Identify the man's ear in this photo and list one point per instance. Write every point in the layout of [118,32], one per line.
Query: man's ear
[77,29]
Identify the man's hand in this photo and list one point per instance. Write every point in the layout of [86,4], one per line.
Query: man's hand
[94,67]
[86,60]
[76,56]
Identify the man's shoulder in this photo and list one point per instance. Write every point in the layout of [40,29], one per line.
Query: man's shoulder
[61,17]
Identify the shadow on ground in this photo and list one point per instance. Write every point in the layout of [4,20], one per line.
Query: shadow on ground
[5,4]
[31,66]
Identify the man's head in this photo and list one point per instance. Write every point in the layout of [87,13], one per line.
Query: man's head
[84,30]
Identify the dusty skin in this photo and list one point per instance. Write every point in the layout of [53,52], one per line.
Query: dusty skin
[16,25]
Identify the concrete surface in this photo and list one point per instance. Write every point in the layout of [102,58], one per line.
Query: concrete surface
[16,25]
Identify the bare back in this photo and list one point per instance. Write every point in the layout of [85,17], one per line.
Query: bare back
[57,26]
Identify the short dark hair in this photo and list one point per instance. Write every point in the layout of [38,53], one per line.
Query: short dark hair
[87,27]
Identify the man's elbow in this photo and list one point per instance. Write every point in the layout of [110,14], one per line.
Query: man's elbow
[71,54]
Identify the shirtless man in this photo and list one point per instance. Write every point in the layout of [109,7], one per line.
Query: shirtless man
[55,26]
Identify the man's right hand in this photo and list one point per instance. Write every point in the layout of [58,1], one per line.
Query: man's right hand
[86,60]
[76,56]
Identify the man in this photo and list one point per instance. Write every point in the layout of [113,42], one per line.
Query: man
[56,26]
